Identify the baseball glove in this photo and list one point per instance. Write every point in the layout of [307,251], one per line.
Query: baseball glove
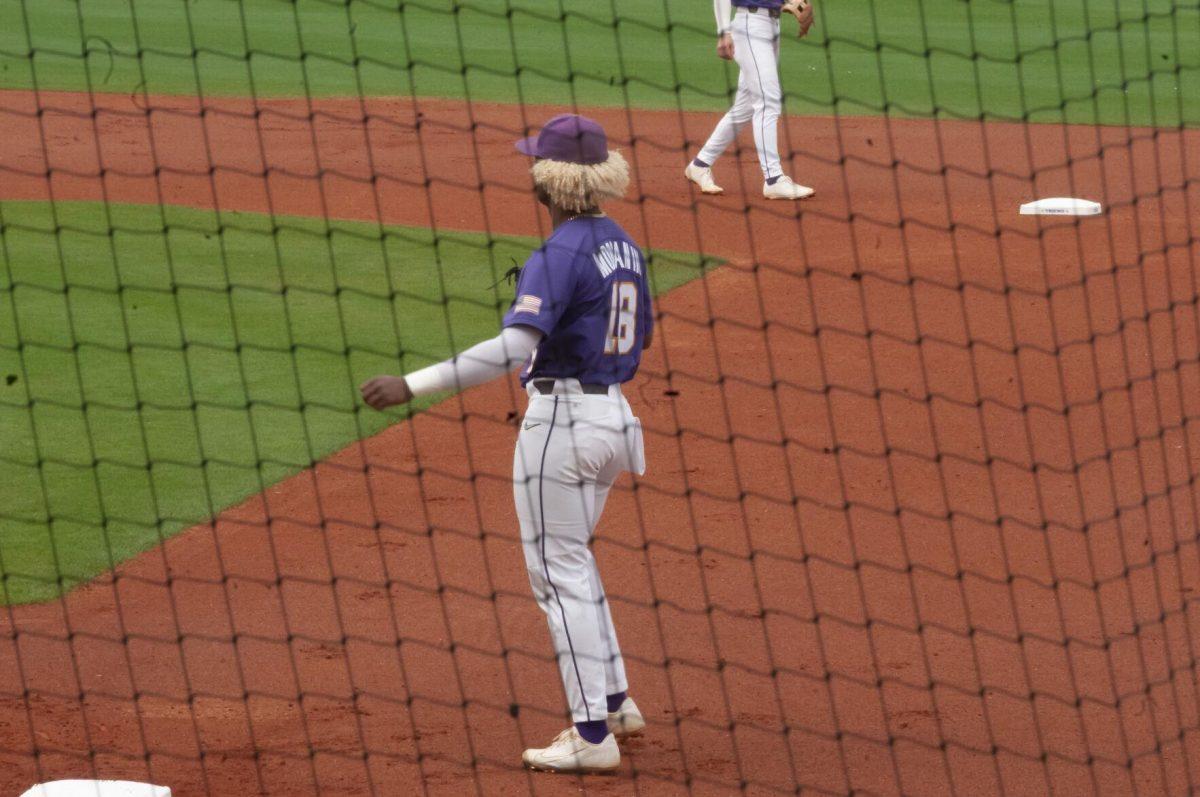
[802,10]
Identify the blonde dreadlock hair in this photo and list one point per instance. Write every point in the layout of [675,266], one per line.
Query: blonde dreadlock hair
[576,187]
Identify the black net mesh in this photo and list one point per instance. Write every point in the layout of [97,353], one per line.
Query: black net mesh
[920,512]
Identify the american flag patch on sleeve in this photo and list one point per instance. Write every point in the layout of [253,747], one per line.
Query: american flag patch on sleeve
[528,304]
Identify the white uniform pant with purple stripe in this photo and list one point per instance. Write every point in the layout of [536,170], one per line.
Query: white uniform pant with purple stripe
[571,448]
[759,98]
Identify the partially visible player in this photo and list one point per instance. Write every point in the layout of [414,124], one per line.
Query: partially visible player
[752,39]
[581,319]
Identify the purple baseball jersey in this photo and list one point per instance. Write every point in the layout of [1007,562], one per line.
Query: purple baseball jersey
[586,290]
[768,4]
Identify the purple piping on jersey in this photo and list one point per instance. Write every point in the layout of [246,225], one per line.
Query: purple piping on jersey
[546,566]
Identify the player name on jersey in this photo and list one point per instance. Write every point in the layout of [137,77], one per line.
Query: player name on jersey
[613,255]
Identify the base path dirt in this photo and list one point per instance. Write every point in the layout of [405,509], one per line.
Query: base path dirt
[920,514]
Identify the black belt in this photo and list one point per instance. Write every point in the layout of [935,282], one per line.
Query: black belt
[545,386]
[774,12]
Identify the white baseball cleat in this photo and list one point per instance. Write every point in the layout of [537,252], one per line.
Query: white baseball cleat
[784,188]
[570,752]
[702,176]
[627,720]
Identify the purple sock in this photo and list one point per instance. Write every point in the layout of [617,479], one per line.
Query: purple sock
[615,701]
[593,731]
[772,180]
[700,163]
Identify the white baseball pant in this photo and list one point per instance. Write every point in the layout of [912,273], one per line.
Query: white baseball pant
[571,448]
[759,98]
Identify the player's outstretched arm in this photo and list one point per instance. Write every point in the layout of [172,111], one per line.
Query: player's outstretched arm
[478,364]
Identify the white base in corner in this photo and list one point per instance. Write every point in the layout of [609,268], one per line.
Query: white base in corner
[1061,206]
[97,788]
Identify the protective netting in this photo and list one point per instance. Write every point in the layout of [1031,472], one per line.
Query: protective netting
[920,514]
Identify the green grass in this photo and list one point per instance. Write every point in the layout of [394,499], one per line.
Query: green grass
[157,366]
[1089,61]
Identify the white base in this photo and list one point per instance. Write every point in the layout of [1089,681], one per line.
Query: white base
[1061,206]
[97,788]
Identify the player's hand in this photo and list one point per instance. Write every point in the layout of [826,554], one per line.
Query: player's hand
[382,392]
[802,10]
[725,47]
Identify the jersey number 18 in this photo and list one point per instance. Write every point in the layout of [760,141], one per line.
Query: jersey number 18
[622,319]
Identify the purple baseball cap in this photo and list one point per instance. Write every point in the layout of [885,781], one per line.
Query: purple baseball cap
[570,138]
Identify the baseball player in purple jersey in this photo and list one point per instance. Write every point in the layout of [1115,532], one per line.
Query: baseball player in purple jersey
[752,39]
[579,323]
